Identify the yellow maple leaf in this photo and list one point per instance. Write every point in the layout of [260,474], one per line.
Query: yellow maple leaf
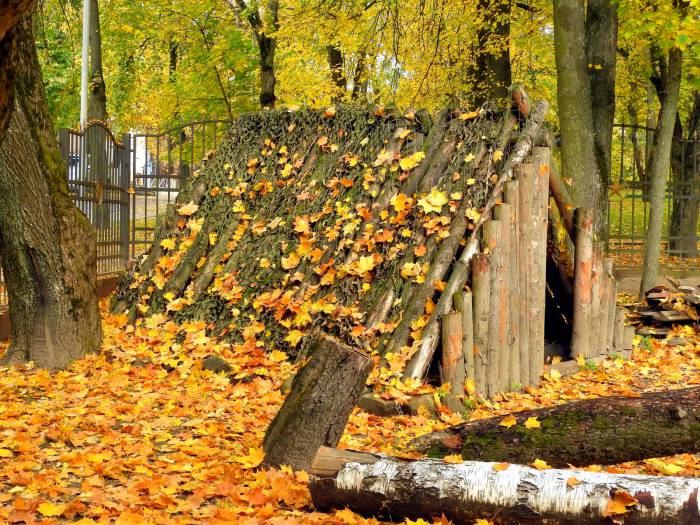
[410,162]
[264,262]
[482,521]
[252,459]
[469,115]
[453,458]
[433,201]
[572,482]
[540,464]
[187,209]
[4,453]
[50,510]
[401,202]
[620,503]
[292,261]
[532,423]
[364,264]
[294,336]
[498,467]
[497,155]
[168,244]
[508,421]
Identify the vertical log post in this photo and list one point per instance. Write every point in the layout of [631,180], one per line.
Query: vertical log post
[315,413]
[504,214]
[612,307]
[619,338]
[606,302]
[541,159]
[481,296]
[525,174]
[496,331]
[512,198]
[583,239]
[596,277]
[463,304]
[452,362]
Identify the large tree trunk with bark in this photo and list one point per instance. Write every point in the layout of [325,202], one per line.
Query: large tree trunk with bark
[605,430]
[686,187]
[48,246]
[659,169]
[585,43]
[11,12]
[392,488]
[492,71]
[315,413]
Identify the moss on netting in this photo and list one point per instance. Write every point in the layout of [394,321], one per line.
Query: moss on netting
[309,218]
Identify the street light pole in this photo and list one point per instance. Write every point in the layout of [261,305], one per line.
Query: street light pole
[84,65]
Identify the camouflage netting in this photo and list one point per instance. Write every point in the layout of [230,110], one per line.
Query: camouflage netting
[319,220]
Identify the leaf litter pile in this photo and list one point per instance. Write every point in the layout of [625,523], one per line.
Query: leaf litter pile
[127,436]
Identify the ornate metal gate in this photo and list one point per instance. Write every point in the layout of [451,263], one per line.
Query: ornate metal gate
[98,181]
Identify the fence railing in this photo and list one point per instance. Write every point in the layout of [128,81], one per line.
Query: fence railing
[629,199]
[124,186]
[161,163]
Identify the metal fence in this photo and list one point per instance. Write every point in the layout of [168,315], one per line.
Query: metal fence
[629,199]
[160,164]
[98,181]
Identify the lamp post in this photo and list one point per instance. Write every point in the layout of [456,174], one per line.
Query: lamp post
[84,65]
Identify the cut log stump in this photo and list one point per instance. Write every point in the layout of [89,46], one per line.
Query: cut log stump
[314,414]
[605,430]
[394,489]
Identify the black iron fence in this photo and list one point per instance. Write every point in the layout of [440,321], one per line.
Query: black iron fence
[160,164]
[124,186]
[629,199]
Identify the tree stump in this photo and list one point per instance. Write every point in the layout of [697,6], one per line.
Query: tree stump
[314,414]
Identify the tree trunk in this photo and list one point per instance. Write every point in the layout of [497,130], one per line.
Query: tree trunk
[578,148]
[96,136]
[11,12]
[601,51]
[659,170]
[394,489]
[605,430]
[49,254]
[336,64]
[492,74]
[323,394]
[686,189]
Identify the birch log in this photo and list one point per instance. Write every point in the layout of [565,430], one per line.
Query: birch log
[395,489]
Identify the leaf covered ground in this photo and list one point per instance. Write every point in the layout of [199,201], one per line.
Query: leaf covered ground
[141,434]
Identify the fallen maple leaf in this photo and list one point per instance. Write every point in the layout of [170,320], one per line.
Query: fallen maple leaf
[620,503]
[187,209]
[453,458]
[508,421]
[434,201]
[540,464]
[498,467]
[532,423]
[50,510]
